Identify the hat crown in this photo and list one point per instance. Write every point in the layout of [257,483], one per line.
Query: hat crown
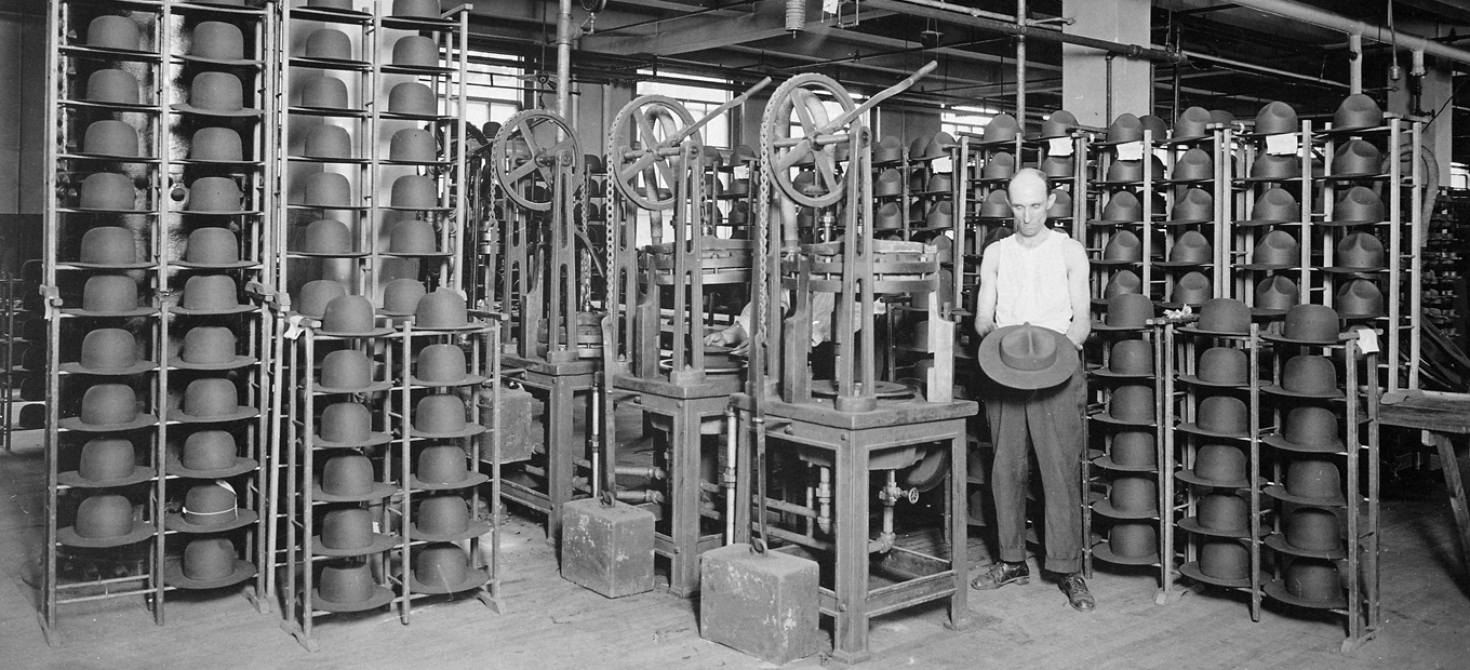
[108,349]
[210,292]
[348,314]
[1131,493]
[346,369]
[103,516]
[441,363]
[1277,247]
[441,565]
[212,246]
[346,582]
[1126,127]
[1197,203]
[214,194]
[1133,540]
[1224,511]
[1313,580]
[1224,559]
[212,396]
[889,148]
[997,205]
[941,214]
[1132,402]
[1276,118]
[420,9]
[1133,448]
[1225,315]
[1314,478]
[108,190]
[216,144]
[441,464]
[1191,289]
[1358,204]
[1276,293]
[315,295]
[1356,157]
[412,236]
[106,460]
[1191,247]
[111,31]
[1313,529]
[113,86]
[402,296]
[1271,166]
[347,475]
[1360,298]
[1221,463]
[1123,246]
[328,236]
[1000,165]
[329,4]
[110,293]
[1124,206]
[347,528]
[1360,250]
[328,43]
[327,189]
[889,216]
[324,92]
[109,404]
[209,504]
[1194,164]
[1123,282]
[444,308]
[1027,349]
[1060,123]
[415,190]
[415,51]
[1002,128]
[1061,206]
[443,515]
[328,141]
[1314,323]
[1309,374]
[217,40]
[439,414]
[1223,414]
[110,137]
[1224,365]
[1129,310]
[413,144]
[209,558]
[1192,122]
[217,91]
[412,97]
[345,422]
[208,450]
[1357,111]
[1311,426]
[1131,357]
[1276,205]
[109,245]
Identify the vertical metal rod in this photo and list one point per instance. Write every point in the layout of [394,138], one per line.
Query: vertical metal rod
[564,59]
[1021,65]
[1355,63]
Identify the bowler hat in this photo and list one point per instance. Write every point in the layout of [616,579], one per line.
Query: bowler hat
[1130,543]
[1221,316]
[109,295]
[111,86]
[997,205]
[108,192]
[348,477]
[327,190]
[324,93]
[347,371]
[413,145]
[208,508]
[1276,118]
[110,247]
[1358,252]
[209,348]
[1356,158]
[348,587]
[348,531]
[412,98]
[214,195]
[110,138]
[1123,207]
[1270,167]
[113,32]
[213,247]
[1225,562]
[1190,250]
[108,351]
[106,462]
[442,467]
[444,568]
[212,399]
[210,454]
[1223,367]
[1125,128]
[1310,532]
[444,309]
[414,192]
[1310,582]
[1308,429]
[1359,299]
[443,365]
[347,424]
[442,417]
[401,297]
[216,94]
[216,144]
[1131,450]
[330,238]
[329,44]
[1195,206]
[1193,289]
[413,237]
[1308,324]
[1194,165]
[1360,205]
[1058,167]
[1060,123]
[1129,358]
[1357,112]
[1276,205]
[1123,248]
[1027,357]
[107,408]
[1130,496]
[1276,250]
[1274,296]
[1130,404]
[1122,281]
[211,294]
[104,520]
[1000,165]
[217,42]
[888,149]
[327,142]
[888,217]
[1192,124]
[1002,128]
[1218,465]
[1061,206]
[208,563]
[314,296]
[419,53]
[1311,481]
[1126,311]
[350,316]
[1220,416]
[1221,515]
[444,518]
[1307,376]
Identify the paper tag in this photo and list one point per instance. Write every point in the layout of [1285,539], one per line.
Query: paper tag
[1367,339]
[740,171]
[1284,144]
[942,164]
[293,326]
[1132,151]
[830,6]
[1060,147]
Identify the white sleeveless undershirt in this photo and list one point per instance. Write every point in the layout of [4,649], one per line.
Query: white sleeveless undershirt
[1031,284]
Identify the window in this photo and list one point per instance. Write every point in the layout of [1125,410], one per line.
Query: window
[966,120]
[701,96]
[495,91]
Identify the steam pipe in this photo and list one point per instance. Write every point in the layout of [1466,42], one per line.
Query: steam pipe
[1325,19]
[1021,64]
[564,59]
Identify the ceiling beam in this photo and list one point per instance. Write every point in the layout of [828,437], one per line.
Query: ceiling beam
[684,34]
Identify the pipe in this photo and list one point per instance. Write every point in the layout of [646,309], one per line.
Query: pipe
[1252,67]
[1355,64]
[824,499]
[646,472]
[1325,19]
[1021,65]
[730,473]
[564,59]
[966,17]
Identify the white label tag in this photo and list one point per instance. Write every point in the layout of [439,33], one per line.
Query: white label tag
[1132,151]
[1284,144]
[740,171]
[1367,339]
[1060,147]
[293,326]
[830,6]
[942,164]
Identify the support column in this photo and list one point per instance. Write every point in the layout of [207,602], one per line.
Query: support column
[1438,89]
[1085,71]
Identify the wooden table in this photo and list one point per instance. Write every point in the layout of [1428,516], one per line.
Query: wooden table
[1439,415]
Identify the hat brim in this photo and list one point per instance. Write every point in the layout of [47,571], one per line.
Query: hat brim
[1343,270]
[378,491]
[416,22]
[239,413]
[1352,222]
[375,332]
[1106,462]
[1192,525]
[1354,128]
[232,62]
[1182,264]
[119,106]
[1187,221]
[216,162]
[375,438]
[173,575]
[473,579]
[1354,176]
[380,543]
[1191,476]
[1192,571]
[1109,374]
[1279,442]
[105,210]
[1269,179]
[111,158]
[75,423]
[220,212]
[1275,337]
[139,367]
[1186,181]
[237,309]
[243,517]
[1279,492]
[236,362]
[307,110]
[467,380]
[371,387]
[1278,390]
[1110,419]
[1176,304]
[1268,313]
[416,69]
[141,54]
[416,254]
[1276,590]
[381,596]
[137,265]
[74,478]
[330,63]
[1104,327]
[243,112]
[299,206]
[68,536]
[1194,329]
[414,116]
[469,430]
[1192,427]
[470,326]
[1194,380]
[327,254]
[1114,222]
[419,163]
[1105,507]
[1277,542]
[1105,262]
[329,159]
[1269,266]
[471,479]
[1256,223]
[328,13]
[1101,549]
[476,528]
[1062,366]
[242,465]
[232,265]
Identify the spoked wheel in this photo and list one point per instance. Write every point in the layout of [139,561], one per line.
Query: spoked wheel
[643,149]
[526,154]
[821,145]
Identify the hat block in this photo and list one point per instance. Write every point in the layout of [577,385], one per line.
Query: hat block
[1309,582]
[1027,357]
[1220,416]
[348,587]
[347,424]
[444,568]
[208,563]
[444,518]
[104,520]
[1130,496]
[349,532]
[1130,543]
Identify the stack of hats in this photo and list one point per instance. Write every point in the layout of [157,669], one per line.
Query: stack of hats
[1129,425]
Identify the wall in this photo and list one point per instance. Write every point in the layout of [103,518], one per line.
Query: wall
[22,127]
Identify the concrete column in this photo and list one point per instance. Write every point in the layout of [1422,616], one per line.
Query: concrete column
[1085,71]
[1438,90]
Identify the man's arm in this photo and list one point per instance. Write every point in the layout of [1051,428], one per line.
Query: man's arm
[985,309]
[1077,289]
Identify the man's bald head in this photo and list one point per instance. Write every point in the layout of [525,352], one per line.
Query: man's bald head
[1029,181]
[1031,198]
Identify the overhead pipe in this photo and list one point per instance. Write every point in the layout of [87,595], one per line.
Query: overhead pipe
[564,30]
[1325,19]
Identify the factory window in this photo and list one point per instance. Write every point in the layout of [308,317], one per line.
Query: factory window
[1459,176]
[965,120]
[701,96]
[834,110]
[495,89]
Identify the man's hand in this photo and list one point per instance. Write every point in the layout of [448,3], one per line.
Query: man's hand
[733,337]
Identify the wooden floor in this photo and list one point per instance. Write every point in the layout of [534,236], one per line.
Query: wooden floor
[551,624]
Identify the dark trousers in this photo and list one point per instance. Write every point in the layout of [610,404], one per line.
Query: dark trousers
[1050,422]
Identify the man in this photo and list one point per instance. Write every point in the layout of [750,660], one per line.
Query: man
[1037,276]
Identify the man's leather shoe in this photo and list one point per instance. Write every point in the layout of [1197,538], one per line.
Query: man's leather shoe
[1077,594]
[1002,573]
